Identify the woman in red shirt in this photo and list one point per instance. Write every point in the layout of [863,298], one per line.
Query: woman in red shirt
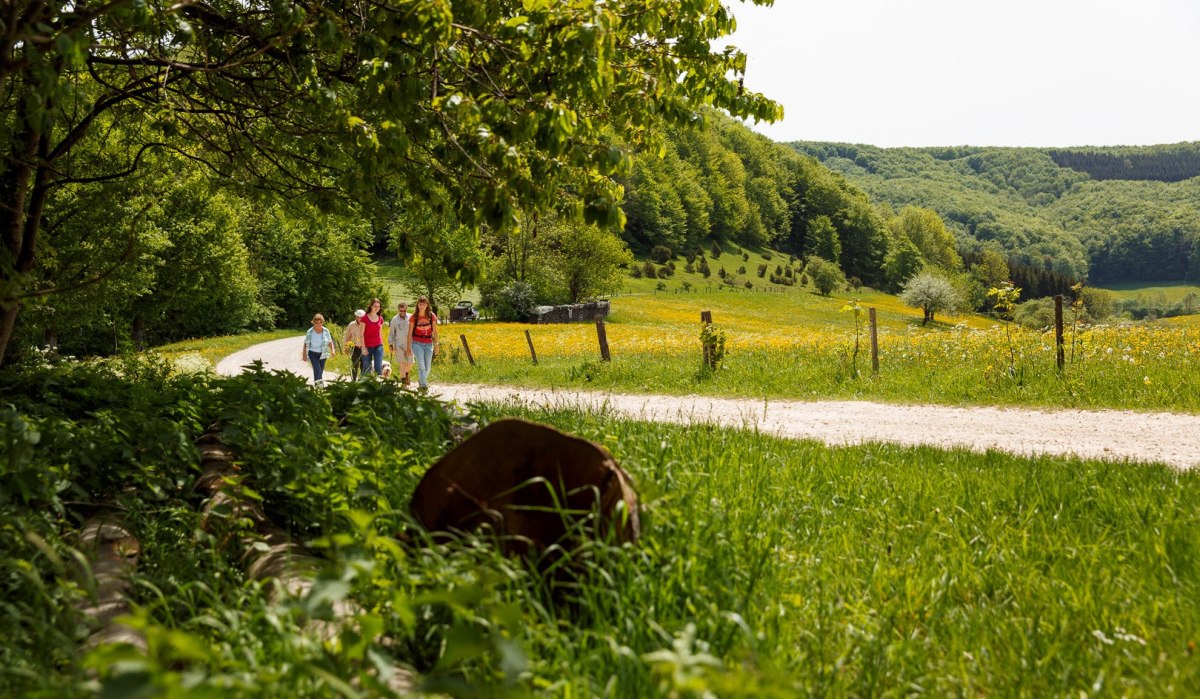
[422,340]
[372,324]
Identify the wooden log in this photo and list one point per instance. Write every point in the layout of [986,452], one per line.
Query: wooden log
[112,553]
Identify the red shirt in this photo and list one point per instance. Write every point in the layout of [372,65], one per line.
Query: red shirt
[423,328]
[372,331]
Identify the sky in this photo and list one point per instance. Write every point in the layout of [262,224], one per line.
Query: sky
[976,72]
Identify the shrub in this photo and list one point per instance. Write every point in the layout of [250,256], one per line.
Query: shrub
[855,283]
[649,270]
[742,269]
[766,255]
[661,286]
[704,269]
[762,270]
[716,250]
[660,254]
[665,272]
[826,275]
[511,302]
[722,273]
[745,256]
[636,273]
[749,284]
[690,268]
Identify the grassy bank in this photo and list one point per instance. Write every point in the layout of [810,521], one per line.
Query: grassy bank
[767,568]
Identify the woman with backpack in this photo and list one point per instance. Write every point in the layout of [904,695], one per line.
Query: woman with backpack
[423,340]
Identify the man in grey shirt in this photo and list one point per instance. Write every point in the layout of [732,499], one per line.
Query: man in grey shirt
[397,341]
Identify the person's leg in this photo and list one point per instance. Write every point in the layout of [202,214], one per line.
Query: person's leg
[377,359]
[322,379]
[422,353]
[355,360]
[314,358]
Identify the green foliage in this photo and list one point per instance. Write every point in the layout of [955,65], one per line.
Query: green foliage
[712,346]
[661,254]
[822,239]
[521,109]
[1042,214]
[825,275]
[585,261]
[510,302]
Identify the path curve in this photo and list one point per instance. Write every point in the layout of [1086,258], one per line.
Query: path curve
[1169,438]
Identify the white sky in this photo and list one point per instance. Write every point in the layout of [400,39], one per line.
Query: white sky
[976,72]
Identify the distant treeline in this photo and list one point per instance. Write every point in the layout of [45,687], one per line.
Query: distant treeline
[1034,282]
[1102,214]
[1160,163]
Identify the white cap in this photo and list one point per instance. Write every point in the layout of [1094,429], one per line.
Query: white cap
[359,313]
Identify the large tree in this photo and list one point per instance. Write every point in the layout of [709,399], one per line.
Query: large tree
[497,104]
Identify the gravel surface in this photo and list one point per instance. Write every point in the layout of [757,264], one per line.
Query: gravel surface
[1168,438]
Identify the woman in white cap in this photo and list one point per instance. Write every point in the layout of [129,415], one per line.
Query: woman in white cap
[352,340]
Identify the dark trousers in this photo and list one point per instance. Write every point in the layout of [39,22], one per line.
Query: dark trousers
[355,359]
[318,365]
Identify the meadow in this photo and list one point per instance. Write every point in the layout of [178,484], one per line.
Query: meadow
[766,568]
[791,342]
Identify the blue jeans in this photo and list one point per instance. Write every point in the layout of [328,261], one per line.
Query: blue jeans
[423,357]
[373,356]
[318,365]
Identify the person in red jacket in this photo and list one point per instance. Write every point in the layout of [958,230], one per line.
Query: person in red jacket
[423,340]
[372,324]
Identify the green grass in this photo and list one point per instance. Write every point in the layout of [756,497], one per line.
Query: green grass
[1170,291]
[885,570]
[766,567]
[213,349]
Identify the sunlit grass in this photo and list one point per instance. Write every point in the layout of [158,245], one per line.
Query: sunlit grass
[1171,291]
[213,349]
[801,345]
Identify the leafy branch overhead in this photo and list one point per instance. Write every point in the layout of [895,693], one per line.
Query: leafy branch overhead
[482,108]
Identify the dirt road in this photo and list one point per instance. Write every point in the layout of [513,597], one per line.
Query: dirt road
[1169,438]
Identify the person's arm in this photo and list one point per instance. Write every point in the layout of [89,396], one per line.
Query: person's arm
[433,323]
[329,341]
[408,345]
[304,348]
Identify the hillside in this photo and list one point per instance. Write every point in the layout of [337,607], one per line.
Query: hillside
[1110,214]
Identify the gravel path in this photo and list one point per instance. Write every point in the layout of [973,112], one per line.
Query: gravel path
[1169,438]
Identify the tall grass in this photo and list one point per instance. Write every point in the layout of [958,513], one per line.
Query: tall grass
[767,567]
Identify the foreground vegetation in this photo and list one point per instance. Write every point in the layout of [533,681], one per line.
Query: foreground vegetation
[766,567]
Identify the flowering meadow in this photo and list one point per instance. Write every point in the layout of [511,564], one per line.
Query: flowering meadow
[798,344]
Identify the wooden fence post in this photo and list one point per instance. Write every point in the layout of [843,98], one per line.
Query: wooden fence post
[603,340]
[1058,329]
[531,352]
[874,341]
[467,348]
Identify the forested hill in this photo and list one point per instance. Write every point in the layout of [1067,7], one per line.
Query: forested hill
[1116,214]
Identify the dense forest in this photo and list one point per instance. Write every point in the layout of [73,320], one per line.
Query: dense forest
[1160,163]
[1082,221]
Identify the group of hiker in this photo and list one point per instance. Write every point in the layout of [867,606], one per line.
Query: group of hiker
[411,339]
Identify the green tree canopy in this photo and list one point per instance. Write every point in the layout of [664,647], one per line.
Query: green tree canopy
[482,107]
